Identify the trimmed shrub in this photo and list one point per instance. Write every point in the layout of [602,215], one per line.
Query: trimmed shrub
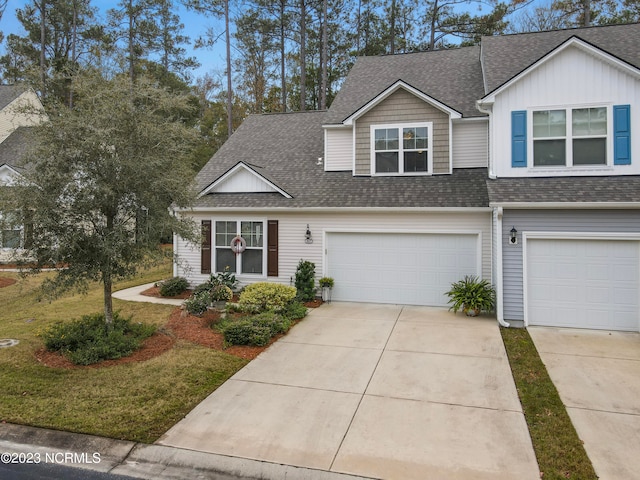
[305,280]
[295,310]
[256,330]
[197,303]
[266,296]
[246,333]
[173,286]
[221,293]
[90,340]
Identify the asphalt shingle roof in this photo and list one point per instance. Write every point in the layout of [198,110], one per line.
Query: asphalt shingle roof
[452,77]
[8,93]
[284,148]
[621,188]
[15,146]
[506,56]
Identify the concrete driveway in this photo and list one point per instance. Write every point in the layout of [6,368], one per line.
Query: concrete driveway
[381,391]
[597,374]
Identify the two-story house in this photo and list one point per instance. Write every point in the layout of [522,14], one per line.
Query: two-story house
[512,160]
[20,109]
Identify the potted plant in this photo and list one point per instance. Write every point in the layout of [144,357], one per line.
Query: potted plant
[220,295]
[472,295]
[326,283]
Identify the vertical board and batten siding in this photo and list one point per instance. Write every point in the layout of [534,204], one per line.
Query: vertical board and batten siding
[470,143]
[292,227]
[243,181]
[553,85]
[403,107]
[338,150]
[610,221]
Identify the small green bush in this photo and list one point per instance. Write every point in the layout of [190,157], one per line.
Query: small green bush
[295,310]
[246,333]
[197,303]
[266,296]
[256,330]
[221,293]
[173,286]
[305,280]
[90,340]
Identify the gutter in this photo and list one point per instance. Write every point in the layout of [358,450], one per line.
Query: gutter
[340,209]
[566,205]
[499,285]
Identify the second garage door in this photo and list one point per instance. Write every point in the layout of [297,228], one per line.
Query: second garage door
[402,268]
[583,283]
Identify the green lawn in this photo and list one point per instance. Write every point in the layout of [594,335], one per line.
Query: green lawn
[134,401]
[558,448]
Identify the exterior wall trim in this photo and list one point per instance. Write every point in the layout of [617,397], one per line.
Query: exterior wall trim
[540,235]
[214,210]
[566,205]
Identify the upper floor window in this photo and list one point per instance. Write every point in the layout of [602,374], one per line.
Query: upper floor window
[401,149]
[570,137]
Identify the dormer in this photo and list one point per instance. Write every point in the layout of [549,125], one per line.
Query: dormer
[400,132]
[568,114]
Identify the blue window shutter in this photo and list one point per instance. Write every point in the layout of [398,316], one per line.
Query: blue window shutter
[622,135]
[519,138]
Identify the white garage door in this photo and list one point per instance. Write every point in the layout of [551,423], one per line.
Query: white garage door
[409,269]
[583,283]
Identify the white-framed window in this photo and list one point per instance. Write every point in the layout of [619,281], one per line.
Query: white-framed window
[401,149]
[570,137]
[252,260]
[10,231]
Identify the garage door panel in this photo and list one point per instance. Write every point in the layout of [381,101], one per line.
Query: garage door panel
[583,283]
[413,269]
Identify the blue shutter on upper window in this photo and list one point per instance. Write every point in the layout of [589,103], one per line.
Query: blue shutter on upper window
[622,135]
[519,138]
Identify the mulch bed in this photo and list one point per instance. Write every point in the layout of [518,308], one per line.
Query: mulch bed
[155,292]
[5,282]
[180,326]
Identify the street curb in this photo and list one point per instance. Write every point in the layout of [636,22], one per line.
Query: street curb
[157,462]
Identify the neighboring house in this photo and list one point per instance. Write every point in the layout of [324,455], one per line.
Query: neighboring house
[19,110]
[512,160]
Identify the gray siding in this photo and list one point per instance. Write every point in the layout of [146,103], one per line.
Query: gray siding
[612,221]
[400,107]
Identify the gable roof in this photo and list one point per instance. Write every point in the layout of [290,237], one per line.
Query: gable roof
[284,149]
[14,148]
[572,42]
[505,56]
[452,77]
[225,183]
[8,93]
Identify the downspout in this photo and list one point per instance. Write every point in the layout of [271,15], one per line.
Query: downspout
[499,286]
[481,108]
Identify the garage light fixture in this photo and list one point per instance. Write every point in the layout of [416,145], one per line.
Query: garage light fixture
[307,236]
[513,239]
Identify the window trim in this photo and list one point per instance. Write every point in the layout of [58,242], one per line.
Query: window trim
[570,137]
[400,126]
[238,221]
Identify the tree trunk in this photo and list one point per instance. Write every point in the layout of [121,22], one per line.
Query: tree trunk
[283,79]
[108,301]
[303,55]
[131,42]
[229,91]
[43,31]
[393,28]
[587,13]
[74,39]
[325,50]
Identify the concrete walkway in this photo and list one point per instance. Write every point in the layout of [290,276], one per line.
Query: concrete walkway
[133,295]
[597,374]
[380,391]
